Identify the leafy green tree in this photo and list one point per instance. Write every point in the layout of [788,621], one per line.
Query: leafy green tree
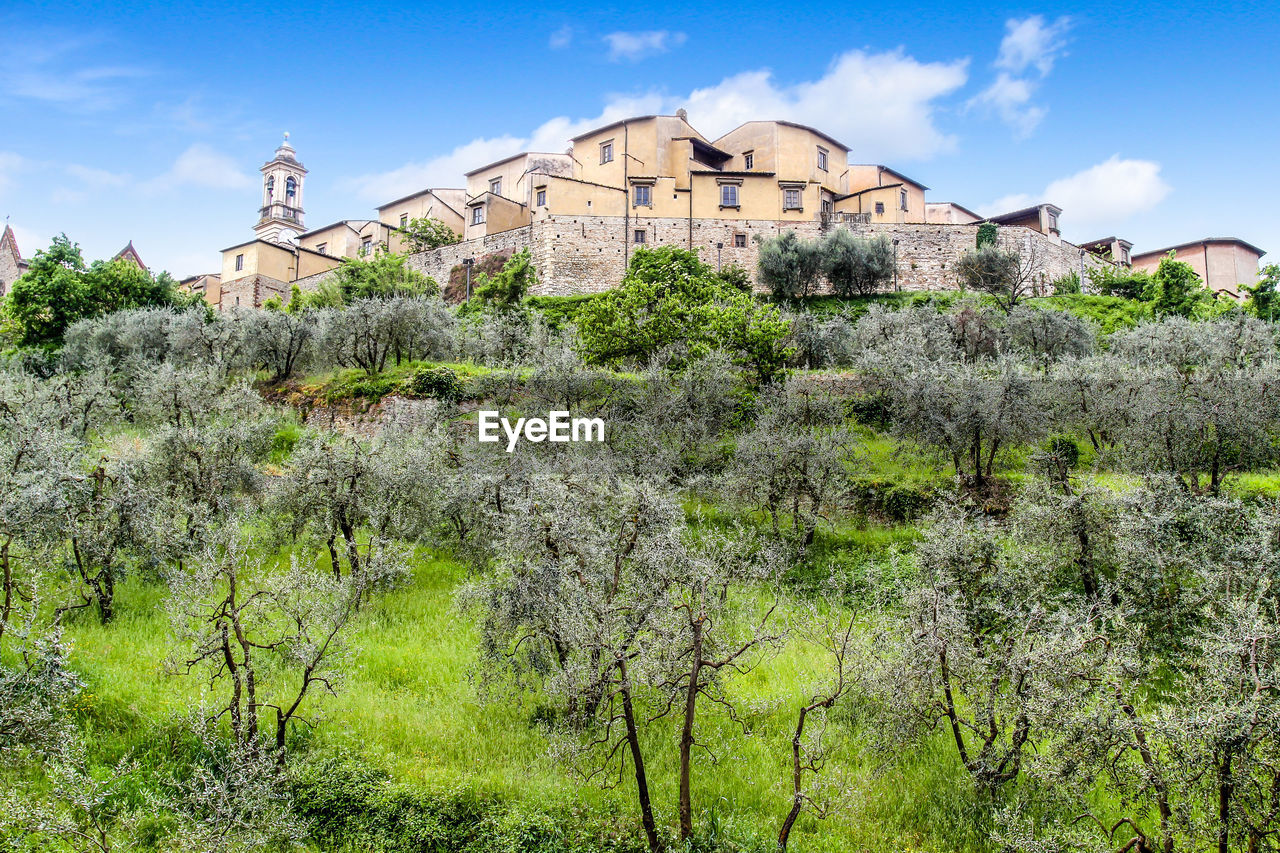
[426,233]
[670,298]
[856,267]
[735,276]
[1176,289]
[59,289]
[789,265]
[1262,295]
[382,275]
[509,287]
[1113,280]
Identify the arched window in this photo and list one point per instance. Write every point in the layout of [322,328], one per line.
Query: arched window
[271,187]
[290,190]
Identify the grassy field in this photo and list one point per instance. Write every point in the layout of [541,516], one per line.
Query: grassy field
[412,707]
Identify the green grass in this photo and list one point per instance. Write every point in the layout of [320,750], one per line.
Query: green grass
[411,705]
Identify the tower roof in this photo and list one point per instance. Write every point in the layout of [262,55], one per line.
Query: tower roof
[286,154]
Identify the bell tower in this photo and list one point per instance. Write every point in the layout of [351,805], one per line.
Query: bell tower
[280,215]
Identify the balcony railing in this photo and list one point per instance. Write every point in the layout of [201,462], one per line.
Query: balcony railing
[281,211]
[827,219]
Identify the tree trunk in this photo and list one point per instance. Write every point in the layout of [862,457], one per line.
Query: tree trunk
[797,799]
[1225,790]
[637,759]
[686,733]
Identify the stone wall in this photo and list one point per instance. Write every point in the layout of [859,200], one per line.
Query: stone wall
[588,254]
[9,272]
[251,291]
[399,414]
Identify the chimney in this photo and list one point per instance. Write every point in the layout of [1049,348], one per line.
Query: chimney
[682,114]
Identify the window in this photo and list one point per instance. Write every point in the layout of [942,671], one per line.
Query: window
[639,235]
[822,159]
[1053,222]
[828,206]
[495,186]
[404,220]
[791,199]
[321,248]
[1124,256]
[477,215]
[879,208]
[902,196]
[239,262]
[606,152]
[366,245]
[290,190]
[729,195]
[644,196]
[271,187]
[739,241]
[749,160]
[542,198]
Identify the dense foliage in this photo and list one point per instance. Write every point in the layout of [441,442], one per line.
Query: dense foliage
[1007,581]
[671,300]
[58,289]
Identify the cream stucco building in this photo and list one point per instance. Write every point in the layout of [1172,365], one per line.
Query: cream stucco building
[649,180]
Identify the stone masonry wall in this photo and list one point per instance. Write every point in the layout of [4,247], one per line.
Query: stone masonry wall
[588,254]
[251,291]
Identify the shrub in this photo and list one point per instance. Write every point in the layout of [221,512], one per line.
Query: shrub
[510,285]
[439,382]
[856,267]
[789,266]
[986,236]
[671,299]
[382,275]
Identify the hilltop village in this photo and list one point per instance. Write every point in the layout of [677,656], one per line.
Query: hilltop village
[655,180]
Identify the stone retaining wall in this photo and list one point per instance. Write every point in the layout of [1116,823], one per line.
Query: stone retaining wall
[589,254]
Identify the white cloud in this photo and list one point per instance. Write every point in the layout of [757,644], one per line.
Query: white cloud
[96,178]
[447,170]
[1010,99]
[883,105]
[561,38]
[1099,197]
[1030,42]
[202,166]
[639,44]
[48,66]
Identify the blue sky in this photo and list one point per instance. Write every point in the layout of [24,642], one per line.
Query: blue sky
[148,122]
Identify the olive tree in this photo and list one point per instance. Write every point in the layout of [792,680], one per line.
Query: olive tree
[789,265]
[199,462]
[281,342]
[854,266]
[711,630]
[1049,336]
[1005,274]
[35,682]
[969,412]
[341,491]
[979,650]
[834,635]
[368,333]
[581,575]
[267,636]
[796,461]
